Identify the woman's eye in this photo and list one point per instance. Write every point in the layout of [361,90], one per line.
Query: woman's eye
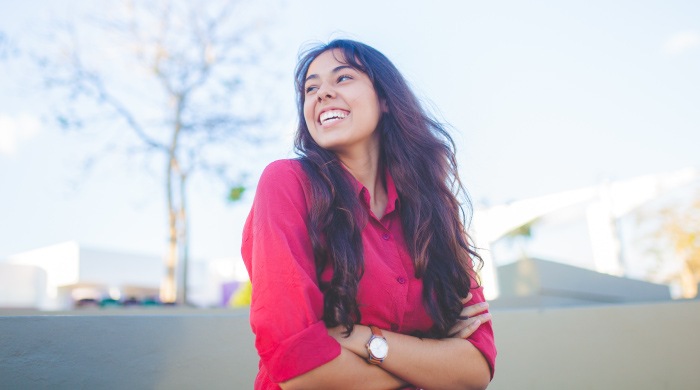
[311,88]
[344,77]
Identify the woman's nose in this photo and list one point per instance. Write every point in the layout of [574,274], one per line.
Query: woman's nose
[325,92]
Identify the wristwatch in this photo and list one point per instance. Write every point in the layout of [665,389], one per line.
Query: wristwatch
[377,346]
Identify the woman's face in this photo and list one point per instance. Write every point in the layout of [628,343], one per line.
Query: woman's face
[341,107]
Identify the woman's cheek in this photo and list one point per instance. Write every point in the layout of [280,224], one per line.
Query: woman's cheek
[308,114]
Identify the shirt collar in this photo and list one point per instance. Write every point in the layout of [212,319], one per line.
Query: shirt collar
[392,194]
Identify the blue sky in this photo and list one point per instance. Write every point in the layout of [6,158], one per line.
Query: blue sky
[544,97]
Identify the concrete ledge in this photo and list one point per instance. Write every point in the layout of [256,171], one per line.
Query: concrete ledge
[623,346]
[630,346]
[132,350]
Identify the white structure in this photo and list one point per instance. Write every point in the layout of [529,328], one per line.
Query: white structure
[53,277]
[604,205]
[67,264]
[22,286]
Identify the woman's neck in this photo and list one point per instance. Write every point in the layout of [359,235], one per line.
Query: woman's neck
[365,169]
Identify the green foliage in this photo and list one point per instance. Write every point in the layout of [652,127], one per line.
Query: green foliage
[235,193]
[522,231]
[520,236]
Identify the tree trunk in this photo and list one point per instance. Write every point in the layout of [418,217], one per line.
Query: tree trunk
[168,292]
[174,286]
[184,243]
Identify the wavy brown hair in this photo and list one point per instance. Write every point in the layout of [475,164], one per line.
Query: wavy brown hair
[420,155]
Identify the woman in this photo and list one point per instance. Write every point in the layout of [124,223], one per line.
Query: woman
[362,272]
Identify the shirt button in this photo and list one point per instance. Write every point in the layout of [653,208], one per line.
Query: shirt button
[385,236]
[401,280]
[394,327]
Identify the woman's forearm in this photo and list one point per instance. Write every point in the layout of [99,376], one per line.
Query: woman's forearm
[347,371]
[427,363]
[444,364]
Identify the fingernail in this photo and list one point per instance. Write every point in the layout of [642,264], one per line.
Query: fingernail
[476,323]
[483,304]
[486,316]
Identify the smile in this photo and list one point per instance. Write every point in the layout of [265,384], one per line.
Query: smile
[330,116]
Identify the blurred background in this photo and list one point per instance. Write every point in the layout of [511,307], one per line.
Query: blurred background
[132,135]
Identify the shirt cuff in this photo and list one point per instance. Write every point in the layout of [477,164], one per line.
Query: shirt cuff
[301,353]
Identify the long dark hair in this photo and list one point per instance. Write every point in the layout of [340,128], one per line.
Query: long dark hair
[420,155]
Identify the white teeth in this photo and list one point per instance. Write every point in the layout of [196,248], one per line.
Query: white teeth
[332,114]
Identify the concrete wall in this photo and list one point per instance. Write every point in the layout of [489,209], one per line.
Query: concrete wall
[640,346]
[133,350]
[631,346]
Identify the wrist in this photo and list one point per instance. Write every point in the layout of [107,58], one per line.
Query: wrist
[358,344]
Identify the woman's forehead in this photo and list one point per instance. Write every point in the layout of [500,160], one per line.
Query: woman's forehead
[328,59]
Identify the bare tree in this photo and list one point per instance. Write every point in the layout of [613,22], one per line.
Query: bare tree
[174,74]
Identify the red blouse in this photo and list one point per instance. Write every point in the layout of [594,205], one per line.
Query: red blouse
[287,304]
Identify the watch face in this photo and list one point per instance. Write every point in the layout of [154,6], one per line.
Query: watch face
[379,347]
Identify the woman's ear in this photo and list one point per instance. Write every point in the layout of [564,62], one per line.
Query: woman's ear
[383,105]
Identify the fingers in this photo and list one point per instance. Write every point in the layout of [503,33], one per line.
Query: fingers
[466,328]
[472,322]
[472,310]
[470,318]
[467,299]
[469,329]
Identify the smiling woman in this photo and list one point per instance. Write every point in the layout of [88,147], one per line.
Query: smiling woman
[363,274]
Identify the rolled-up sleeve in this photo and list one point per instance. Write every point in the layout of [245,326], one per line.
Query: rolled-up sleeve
[482,338]
[287,304]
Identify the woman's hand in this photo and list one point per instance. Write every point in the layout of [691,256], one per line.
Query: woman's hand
[464,328]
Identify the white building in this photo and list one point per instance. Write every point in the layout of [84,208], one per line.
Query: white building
[57,276]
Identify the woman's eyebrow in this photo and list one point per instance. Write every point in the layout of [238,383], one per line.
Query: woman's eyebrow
[335,70]
[341,67]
